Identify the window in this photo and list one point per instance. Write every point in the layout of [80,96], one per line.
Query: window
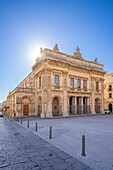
[110,95]
[78,83]
[56,79]
[85,84]
[72,82]
[110,87]
[40,81]
[97,85]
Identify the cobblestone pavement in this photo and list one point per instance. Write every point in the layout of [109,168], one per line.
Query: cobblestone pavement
[67,134]
[21,149]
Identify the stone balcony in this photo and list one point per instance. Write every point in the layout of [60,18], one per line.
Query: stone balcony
[24,90]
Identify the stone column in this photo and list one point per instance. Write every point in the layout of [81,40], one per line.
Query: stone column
[75,105]
[36,104]
[65,104]
[88,105]
[81,104]
[50,82]
[93,104]
[102,103]
[42,114]
[85,105]
[36,97]
[68,106]
[49,109]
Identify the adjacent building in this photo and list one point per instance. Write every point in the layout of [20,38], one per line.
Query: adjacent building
[108,92]
[20,102]
[62,85]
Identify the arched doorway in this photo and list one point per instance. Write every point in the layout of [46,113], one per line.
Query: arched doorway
[110,107]
[39,106]
[97,105]
[26,101]
[55,106]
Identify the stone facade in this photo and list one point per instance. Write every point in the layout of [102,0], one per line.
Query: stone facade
[67,84]
[61,85]
[21,100]
[108,92]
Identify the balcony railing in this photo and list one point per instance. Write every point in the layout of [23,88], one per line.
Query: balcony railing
[27,90]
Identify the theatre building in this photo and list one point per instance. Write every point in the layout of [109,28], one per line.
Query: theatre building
[59,85]
[67,84]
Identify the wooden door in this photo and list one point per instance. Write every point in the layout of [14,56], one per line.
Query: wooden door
[25,110]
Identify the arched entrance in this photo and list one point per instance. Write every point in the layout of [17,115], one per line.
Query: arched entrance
[110,107]
[25,109]
[26,102]
[97,105]
[55,106]
[39,106]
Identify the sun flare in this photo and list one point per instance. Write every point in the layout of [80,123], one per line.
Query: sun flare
[35,52]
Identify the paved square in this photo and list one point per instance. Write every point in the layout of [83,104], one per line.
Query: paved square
[67,135]
[21,149]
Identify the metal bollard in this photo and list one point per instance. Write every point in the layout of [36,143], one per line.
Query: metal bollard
[50,133]
[36,127]
[28,124]
[83,146]
[21,121]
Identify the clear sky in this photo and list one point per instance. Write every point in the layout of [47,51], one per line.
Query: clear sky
[29,24]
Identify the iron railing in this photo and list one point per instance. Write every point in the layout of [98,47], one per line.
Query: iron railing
[78,109]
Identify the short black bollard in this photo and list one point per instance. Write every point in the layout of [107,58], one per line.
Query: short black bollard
[50,133]
[83,146]
[28,124]
[21,121]
[36,127]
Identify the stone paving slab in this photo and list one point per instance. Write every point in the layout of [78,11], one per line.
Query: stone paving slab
[67,136]
[21,149]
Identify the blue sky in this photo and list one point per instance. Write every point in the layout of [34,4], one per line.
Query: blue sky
[29,24]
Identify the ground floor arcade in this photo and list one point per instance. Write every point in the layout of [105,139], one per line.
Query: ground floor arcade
[72,105]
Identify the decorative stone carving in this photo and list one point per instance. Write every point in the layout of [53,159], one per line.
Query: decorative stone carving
[65,83]
[55,48]
[41,50]
[18,100]
[77,53]
[95,60]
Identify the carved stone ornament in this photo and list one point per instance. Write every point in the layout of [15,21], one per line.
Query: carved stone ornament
[55,48]
[95,60]
[41,50]
[77,53]
[18,100]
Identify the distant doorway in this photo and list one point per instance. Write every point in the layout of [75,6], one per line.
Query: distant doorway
[26,110]
[110,107]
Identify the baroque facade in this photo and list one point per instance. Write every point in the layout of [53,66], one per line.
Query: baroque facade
[108,92]
[67,84]
[63,85]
